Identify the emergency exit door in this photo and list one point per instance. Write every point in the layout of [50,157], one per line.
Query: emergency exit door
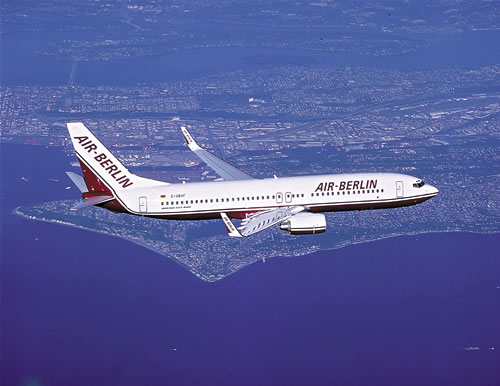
[143,204]
[279,197]
[399,189]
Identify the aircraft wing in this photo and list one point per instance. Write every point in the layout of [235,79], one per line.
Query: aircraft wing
[221,167]
[260,221]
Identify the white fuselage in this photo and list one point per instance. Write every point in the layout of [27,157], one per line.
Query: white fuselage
[289,202]
[321,193]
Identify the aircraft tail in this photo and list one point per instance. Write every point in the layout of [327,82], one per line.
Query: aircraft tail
[102,171]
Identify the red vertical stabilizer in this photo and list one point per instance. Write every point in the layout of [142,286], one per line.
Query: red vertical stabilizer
[94,184]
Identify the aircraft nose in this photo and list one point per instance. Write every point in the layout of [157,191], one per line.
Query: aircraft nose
[433,190]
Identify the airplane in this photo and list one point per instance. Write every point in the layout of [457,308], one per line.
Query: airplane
[294,204]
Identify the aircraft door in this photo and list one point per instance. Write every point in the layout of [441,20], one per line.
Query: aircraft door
[279,197]
[288,197]
[399,189]
[143,204]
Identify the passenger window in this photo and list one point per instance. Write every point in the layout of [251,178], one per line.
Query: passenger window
[177,203]
[211,200]
[268,197]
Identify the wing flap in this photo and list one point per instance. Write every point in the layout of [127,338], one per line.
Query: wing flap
[231,229]
[263,220]
[221,167]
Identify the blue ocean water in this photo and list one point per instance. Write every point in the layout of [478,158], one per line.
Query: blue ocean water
[22,63]
[81,308]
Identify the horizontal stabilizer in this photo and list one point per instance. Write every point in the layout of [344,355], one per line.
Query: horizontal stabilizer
[90,201]
[78,181]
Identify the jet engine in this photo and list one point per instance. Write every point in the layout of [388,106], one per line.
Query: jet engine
[305,224]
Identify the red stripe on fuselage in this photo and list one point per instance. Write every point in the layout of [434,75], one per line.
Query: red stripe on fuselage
[214,215]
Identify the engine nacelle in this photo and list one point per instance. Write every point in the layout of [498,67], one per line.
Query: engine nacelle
[305,224]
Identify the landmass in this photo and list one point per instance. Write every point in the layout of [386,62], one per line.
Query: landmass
[313,88]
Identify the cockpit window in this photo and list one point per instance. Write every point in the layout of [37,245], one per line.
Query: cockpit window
[418,184]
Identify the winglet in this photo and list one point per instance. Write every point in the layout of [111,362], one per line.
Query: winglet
[189,139]
[221,167]
[231,229]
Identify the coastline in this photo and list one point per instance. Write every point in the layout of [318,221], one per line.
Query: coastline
[216,276]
